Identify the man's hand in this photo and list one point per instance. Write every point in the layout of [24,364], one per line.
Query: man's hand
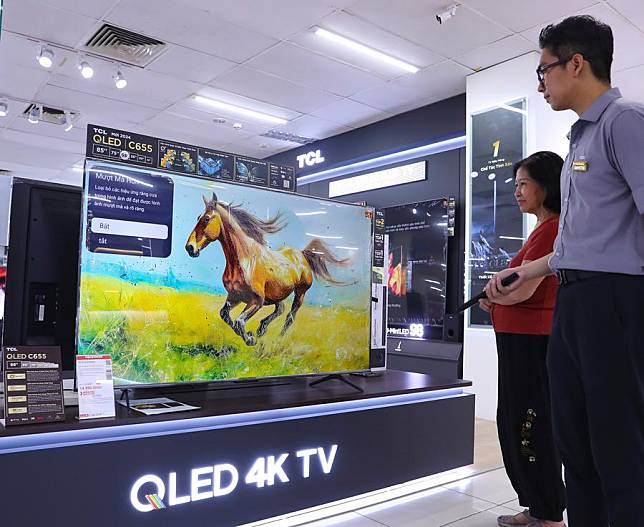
[485,304]
[494,290]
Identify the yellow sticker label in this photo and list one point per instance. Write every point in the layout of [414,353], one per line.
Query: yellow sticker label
[580,166]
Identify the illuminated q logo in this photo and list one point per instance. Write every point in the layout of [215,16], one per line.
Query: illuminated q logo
[134,492]
[416,330]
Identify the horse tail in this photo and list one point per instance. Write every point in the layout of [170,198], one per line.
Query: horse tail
[318,255]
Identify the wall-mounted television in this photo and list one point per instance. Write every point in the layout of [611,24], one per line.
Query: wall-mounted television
[185,279]
[417,268]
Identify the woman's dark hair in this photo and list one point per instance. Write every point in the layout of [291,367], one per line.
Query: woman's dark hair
[581,34]
[545,168]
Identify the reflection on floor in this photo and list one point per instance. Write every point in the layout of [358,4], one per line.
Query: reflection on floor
[481,493]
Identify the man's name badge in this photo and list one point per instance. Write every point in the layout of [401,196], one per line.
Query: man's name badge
[580,166]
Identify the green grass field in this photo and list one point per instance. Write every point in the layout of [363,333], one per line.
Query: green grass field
[158,334]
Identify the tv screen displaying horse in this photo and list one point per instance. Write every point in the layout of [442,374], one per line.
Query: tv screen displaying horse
[186,279]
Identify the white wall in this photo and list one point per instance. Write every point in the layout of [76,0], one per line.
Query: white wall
[5,207]
[546,130]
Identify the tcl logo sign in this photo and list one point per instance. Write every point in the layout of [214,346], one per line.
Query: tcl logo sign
[309,159]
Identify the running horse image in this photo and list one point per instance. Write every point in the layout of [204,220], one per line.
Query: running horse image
[255,274]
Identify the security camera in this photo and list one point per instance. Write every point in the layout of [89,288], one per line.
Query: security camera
[444,16]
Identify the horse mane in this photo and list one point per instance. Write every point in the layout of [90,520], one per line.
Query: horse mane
[254,227]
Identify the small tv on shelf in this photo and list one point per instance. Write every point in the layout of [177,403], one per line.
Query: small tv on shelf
[189,279]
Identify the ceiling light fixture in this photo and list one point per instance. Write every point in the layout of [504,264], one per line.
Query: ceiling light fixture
[239,110]
[35,114]
[119,80]
[69,124]
[85,69]
[365,50]
[45,57]
[4,109]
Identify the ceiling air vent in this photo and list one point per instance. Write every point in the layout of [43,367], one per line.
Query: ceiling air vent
[50,115]
[124,46]
[290,138]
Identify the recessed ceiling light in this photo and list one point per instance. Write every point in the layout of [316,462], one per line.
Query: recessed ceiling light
[68,121]
[240,110]
[365,50]
[119,80]
[219,120]
[238,126]
[35,114]
[46,57]
[86,70]
[4,109]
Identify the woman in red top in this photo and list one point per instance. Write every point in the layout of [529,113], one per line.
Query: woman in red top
[522,322]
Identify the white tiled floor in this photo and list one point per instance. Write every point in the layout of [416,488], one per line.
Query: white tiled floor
[474,501]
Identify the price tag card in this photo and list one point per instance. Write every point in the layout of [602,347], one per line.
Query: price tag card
[95,386]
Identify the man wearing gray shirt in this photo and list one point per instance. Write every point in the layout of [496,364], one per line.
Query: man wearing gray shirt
[596,350]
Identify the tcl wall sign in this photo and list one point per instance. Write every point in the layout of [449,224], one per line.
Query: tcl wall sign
[310,159]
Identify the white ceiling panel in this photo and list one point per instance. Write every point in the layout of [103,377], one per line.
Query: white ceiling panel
[42,21]
[365,33]
[350,113]
[629,41]
[260,147]
[276,18]
[437,83]
[206,134]
[95,109]
[145,88]
[497,52]
[521,16]
[75,137]
[195,28]
[24,83]
[273,90]
[90,8]
[191,110]
[389,98]
[415,20]
[314,127]
[190,65]
[631,9]
[15,110]
[300,65]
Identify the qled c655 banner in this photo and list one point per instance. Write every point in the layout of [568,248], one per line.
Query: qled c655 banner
[188,279]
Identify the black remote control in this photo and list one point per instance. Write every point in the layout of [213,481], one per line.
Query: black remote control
[474,300]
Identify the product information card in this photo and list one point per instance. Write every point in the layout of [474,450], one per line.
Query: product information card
[95,386]
[33,385]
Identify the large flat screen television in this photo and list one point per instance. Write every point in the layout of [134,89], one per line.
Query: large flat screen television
[417,269]
[185,279]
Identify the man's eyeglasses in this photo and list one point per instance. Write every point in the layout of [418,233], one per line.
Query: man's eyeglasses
[542,70]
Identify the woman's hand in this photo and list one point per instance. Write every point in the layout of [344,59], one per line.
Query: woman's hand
[485,304]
